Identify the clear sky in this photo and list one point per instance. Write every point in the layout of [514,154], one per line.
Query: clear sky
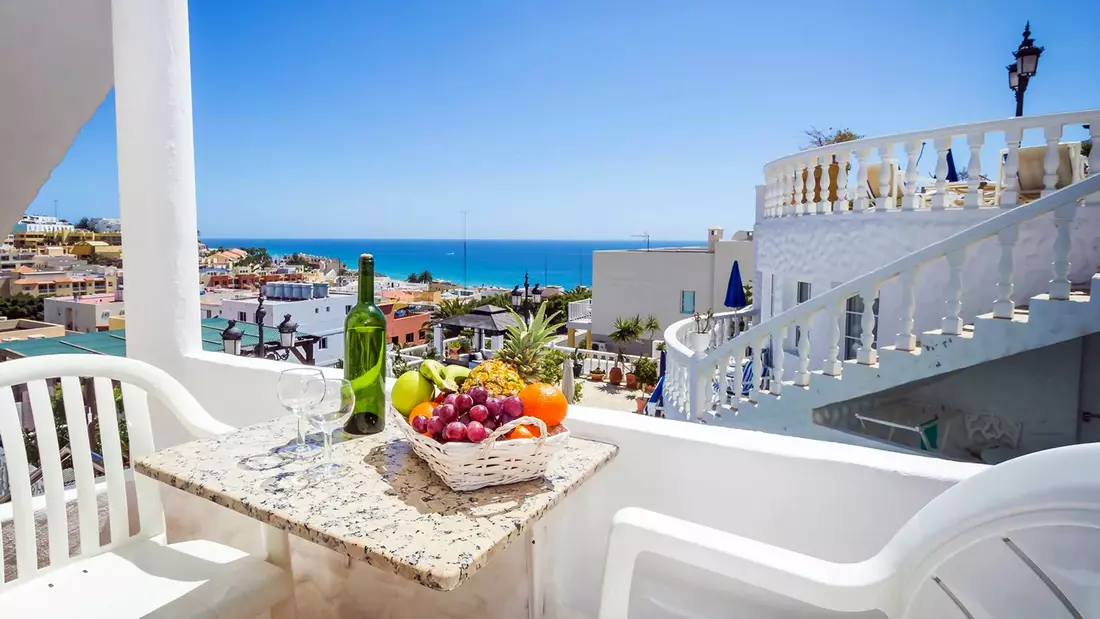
[564,118]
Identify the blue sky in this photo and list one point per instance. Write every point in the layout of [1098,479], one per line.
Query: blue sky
[564,119]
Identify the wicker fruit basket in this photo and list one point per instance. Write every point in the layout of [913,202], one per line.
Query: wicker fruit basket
[470,466]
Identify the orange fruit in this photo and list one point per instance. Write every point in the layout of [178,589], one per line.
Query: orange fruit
[527,431]
[424,409]
[544,401]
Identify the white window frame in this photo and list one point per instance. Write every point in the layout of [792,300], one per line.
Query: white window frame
[323,344]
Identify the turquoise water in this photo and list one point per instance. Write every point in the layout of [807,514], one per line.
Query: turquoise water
[497,262]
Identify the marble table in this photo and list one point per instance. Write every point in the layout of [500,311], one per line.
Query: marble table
[388,510]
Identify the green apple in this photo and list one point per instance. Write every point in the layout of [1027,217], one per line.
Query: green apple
[411,389]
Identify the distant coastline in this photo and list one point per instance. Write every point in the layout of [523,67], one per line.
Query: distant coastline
[489,262]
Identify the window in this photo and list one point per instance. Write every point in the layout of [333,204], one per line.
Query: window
[241,316]
[853,325]
[395,341]
[803,295]
[328,309]
[316,310]
[408,338]
[687,301]
[324,343]
[209,313]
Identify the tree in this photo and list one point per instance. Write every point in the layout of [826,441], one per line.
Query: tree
[651,325]
[21,306]
[413,278]
[83,224]
[425,277]
[816,137]
[626,330]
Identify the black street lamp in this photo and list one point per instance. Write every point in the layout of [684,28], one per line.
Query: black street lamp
[1024,67]
[525,302]
[288,339]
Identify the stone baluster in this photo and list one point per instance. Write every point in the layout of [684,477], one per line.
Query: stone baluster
[1006,240]
[841,204]
[1052,133]
[737,357]
[776,385]
[782,196]
[952,323]
[699,384]
[723,379]
[832,365]
[1063,221]
[806,200]
[867,355]
[802,376]
[973,199]
[906,340]
[939,199]
[757,369]
[793,194]
[1010,194]
[862,199]
[885,199]
[912,153]
[1094,160]
[823,185]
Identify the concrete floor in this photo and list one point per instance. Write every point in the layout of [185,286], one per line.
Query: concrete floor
[606,395]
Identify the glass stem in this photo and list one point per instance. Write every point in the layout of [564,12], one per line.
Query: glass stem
[301,435]
[328,447]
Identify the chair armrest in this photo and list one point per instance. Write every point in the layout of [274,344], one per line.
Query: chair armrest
[840,587]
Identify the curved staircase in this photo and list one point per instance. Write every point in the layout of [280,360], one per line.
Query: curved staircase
[884,362]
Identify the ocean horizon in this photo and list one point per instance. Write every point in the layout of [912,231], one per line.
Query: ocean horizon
[489,262]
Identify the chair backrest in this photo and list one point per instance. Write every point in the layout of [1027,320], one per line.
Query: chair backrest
[86,382]
[1021,539]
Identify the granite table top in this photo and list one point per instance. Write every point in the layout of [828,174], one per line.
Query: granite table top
[389,509]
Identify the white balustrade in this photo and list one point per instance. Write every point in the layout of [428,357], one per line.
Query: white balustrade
[797,191]
[696,372]
[580,310]
[1094,160]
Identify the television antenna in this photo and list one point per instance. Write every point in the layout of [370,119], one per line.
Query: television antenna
[644,235]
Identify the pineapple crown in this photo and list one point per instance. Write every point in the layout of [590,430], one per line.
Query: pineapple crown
[523,346]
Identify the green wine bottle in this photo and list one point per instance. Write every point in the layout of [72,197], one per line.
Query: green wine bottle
[365,356]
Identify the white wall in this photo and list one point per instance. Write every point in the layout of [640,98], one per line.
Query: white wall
[826,250]
[85,316]
[321,317]
[1089,398]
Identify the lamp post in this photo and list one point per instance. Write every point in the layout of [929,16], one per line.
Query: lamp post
[1024,67]
[288,338]
[526,301]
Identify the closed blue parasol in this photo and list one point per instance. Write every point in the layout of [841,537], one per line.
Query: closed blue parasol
[735,291]
[952,175]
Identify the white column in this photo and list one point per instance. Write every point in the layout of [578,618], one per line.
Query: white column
[867,353]
[861,180]
[973,198]
[1010,194]
[1003,307]
[908,280]
[912,152]
[952,324]
[1063,220]
[832,365]
[156,179]
[841,204]
[1053,134]
[939,199]
[885,199]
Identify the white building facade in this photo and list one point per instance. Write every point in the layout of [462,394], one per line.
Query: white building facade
[42,223]
[87,314]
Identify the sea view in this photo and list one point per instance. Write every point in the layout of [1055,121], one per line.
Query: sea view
[493,262]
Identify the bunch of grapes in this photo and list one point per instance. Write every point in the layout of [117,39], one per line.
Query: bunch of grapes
[469,416]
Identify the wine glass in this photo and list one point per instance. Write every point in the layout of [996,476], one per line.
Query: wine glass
[331,414]
[299,390]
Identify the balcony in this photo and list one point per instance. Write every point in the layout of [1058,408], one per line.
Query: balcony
[580,313]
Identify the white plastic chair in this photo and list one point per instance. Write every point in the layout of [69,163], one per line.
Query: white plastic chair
[1021,539]
[135,574]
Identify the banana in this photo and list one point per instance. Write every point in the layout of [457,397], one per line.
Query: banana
[457,373]
[435,372]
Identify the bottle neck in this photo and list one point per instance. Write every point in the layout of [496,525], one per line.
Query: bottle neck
[366,284]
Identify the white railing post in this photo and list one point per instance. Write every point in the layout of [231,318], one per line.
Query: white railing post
[841,204]
[1003,307]
[906,340]
[974,169]
[1010,195]
[832,365]
[952,324]
[723,379]
[699,387]
[828,187]
[885,199]
[1094,160]
[912,152]
[757,369]
[1052,133]
[867,355]
[802,376]
[939,200]
[784,192]
[862,198]
[804,189]
[738,359]
[1063,221]
[819,190]
[776,385]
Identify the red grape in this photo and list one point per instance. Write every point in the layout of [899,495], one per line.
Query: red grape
[455,431]
[478,412]
[493,404]
[463,402]
[479,394]
[476,432]
[420,423]
[450,398]
[465,419]
[491,424]
[446,412]
[512,406]
[436,425]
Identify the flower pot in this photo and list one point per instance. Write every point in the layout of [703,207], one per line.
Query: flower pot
[596,376]
[641,402]
[698,342]
[648,388]
[615,376]
[578,370]
[452,353]
[631,381]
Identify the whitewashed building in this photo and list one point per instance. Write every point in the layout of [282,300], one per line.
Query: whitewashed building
[84,314]
[321,316]
[42,223]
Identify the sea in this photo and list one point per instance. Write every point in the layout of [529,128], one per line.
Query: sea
[475,262]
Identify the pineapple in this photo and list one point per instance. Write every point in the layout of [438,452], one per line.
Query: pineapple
[523,346]
[499,379]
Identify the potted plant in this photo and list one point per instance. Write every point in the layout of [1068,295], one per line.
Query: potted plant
[627,330]
[632,377]
[645,369]
[596,374]
[578,363]
[453,349]
[464,344]
[699,337]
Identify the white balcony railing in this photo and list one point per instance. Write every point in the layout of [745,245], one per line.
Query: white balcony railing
[691,375]
[880,174]
[580,311]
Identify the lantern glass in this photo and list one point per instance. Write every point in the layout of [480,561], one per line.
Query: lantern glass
[517,298]
[1027,62]
[286,339]
[232,347]
[1013,77]
[537,294]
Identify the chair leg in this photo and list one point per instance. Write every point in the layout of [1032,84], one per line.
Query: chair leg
[277,547]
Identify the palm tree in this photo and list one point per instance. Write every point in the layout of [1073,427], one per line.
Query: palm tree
[627,330]
[425,277]
[652,326]
[412,278]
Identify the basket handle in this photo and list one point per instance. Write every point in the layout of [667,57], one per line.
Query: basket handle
[487,444]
